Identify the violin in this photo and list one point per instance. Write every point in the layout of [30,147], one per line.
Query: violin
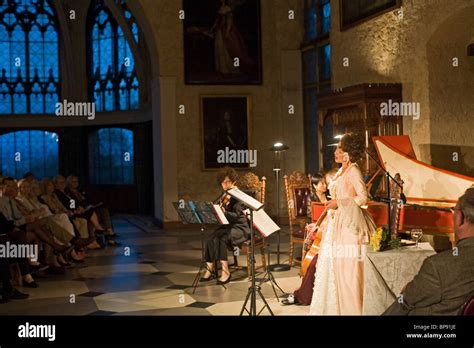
[225,199]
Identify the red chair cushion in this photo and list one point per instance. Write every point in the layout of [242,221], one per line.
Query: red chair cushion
[469,307]
[298,233]
[301,201]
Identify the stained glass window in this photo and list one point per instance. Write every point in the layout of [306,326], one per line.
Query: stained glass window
[29,151]
[325,62]
[309,66]
[310,20]
[317,18]
[114,80]
[132,23]
[316,56]
[111,156]
[325,10]
[29,57]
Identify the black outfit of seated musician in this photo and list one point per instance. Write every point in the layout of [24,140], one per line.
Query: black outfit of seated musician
[234,234]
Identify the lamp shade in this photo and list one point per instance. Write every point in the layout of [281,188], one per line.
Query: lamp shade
[279,147]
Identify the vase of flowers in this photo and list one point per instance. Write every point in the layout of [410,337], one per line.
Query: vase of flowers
[381,240]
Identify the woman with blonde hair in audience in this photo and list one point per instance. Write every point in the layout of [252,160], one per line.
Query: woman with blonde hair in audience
[27,200]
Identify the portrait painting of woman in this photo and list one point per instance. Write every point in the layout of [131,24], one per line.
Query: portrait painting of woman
[222,42]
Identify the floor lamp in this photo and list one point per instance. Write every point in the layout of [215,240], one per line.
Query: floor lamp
[278,148]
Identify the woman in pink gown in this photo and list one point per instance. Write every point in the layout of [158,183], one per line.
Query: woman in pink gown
[339,278]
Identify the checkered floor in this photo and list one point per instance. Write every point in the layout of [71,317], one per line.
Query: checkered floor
[150,273]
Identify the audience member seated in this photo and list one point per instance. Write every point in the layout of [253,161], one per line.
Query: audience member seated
[446,279]
[73,190]
[8,292]
[29,177]
[69,203]
[28,203]
[28,198]
[31,227]
[6,229]
[49,198]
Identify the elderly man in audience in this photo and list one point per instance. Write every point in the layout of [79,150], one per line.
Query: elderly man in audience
[445,280]
[27,225]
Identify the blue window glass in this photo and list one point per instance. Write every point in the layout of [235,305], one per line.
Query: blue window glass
[309,66]
[113,64]
[130,18]
[29,57]
[29,151]
[325,62]
[111,156]
[310,20]
[326,16]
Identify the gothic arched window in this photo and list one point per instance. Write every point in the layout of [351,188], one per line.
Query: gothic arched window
[29,151]
[111,156]
[114,82]
[29,57]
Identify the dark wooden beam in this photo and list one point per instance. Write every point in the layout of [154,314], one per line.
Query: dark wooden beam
[470,50]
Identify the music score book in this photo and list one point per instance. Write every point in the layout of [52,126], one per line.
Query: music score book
[191,212]
[263,223]
[249,201]
[220,214]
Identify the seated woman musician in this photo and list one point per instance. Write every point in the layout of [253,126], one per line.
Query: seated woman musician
[318,191]
[304,294]
[236,232]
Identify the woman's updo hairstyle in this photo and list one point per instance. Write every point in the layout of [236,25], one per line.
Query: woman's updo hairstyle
[354,145]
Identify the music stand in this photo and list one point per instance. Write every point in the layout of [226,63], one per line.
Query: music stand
[268,276]
[389,202]
[201,213]
[253,205]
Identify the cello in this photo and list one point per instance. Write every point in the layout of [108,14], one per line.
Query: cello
[314,249]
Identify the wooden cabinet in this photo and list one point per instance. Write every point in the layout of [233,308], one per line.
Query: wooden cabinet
[356,109]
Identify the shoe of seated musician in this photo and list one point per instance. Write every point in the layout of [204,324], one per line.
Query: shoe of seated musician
[222,282]
[290,300]
[204,279]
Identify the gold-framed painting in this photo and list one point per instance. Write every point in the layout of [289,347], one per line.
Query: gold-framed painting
[225,132]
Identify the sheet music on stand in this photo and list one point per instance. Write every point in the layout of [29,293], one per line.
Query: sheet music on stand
[249,201]
[263,223]
[192,212]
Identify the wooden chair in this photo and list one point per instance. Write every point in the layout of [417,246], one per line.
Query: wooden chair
[468,307]
[252,185]
[298,188]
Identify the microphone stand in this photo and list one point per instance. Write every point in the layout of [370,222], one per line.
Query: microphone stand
[388,177]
